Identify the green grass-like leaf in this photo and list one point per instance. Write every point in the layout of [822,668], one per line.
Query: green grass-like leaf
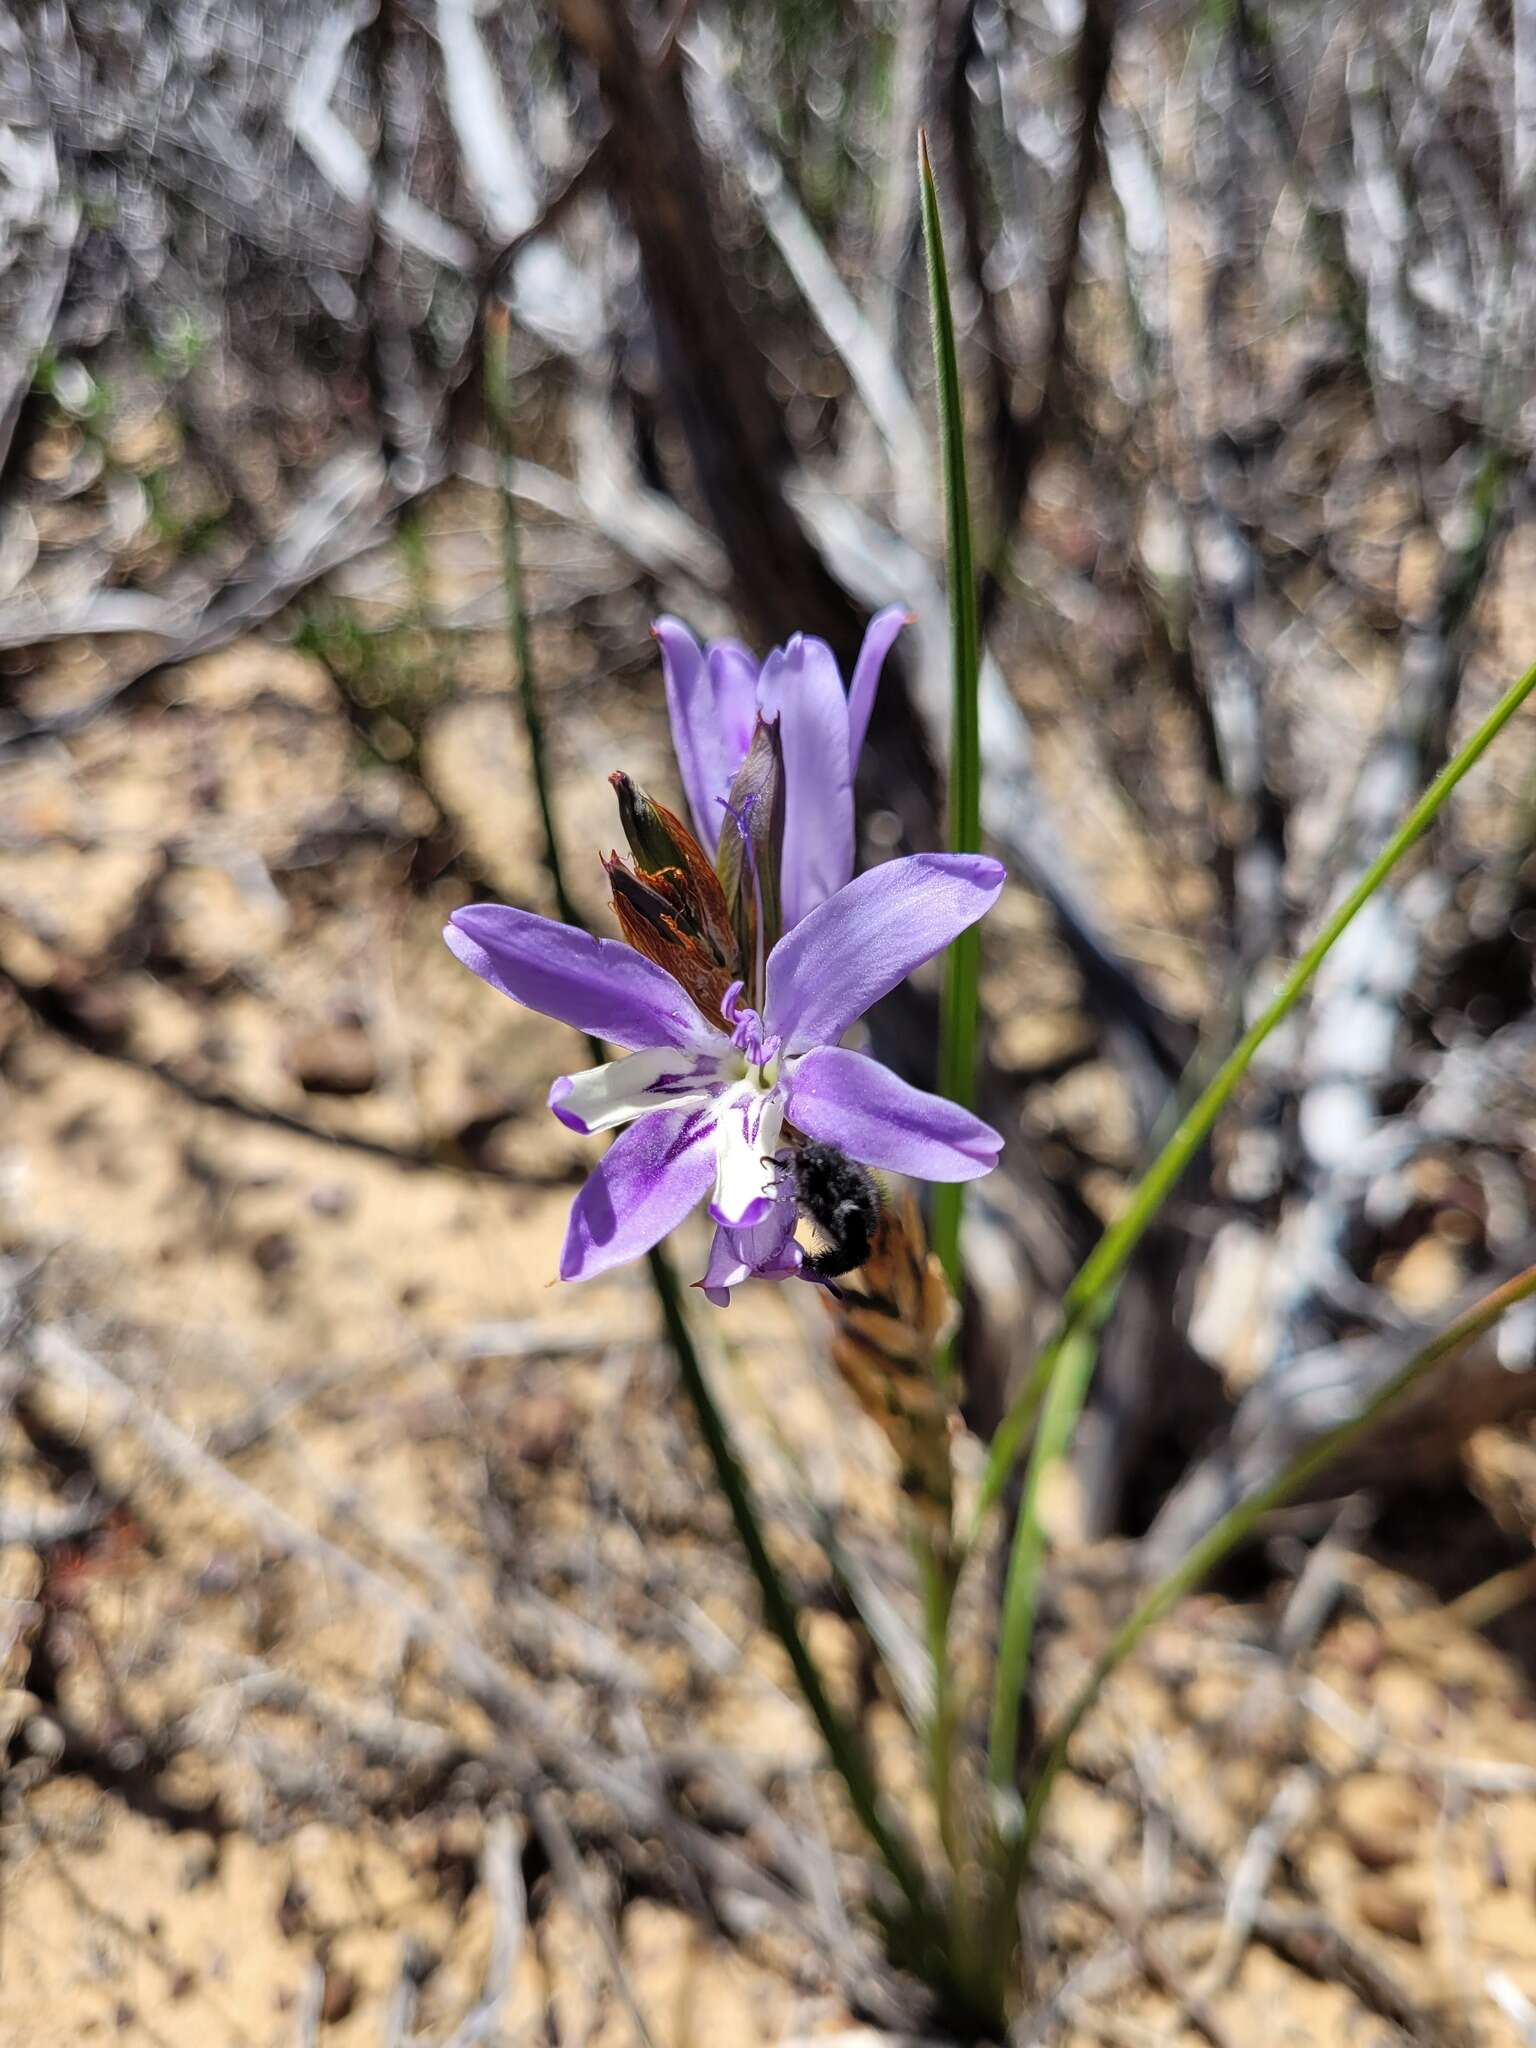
[1058,1382]
[960,1001]
[962,966]
[1238,1524]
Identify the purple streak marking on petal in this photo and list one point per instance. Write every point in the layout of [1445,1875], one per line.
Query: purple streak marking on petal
[645,1184]
[871,1114]
[600,985]
[857,946]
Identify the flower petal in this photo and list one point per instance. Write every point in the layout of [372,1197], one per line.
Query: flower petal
[763,1251]
[733,673]
[879,638]
[801,686]
[599,985]
[839,962]
[746,1180]
[874,1116]
[644,1185]
[641,1082]
[711,702]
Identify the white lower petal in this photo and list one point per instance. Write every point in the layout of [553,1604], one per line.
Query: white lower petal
[749,1123]
[659,1078]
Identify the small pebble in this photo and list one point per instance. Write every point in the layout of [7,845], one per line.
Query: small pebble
[337,1060]
[44,1737]
[339,1995]
[1390,1911]
[273,1252]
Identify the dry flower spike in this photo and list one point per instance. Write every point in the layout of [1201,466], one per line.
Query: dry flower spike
[888,1333]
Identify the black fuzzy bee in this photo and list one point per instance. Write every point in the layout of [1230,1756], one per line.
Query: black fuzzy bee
[841,1200]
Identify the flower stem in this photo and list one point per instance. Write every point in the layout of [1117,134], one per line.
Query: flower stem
[937,1580]
[959,1006]
[842,1743]
[1062,1371]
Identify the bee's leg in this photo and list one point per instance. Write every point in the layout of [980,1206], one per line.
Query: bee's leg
[780,1168]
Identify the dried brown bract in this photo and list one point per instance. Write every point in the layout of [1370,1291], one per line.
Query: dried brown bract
[889,1332]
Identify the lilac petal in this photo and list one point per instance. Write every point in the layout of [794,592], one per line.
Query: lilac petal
[846,955]
[733,673]
[645,1184]
[698,689]
[879,637]
[600,985]
[801,686]
[871,1114]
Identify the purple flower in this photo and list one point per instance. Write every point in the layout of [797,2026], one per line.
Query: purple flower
[706,1104]
[714,697]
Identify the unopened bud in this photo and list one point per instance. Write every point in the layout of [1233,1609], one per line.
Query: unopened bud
[648,918]
[751,848]
[671,860]
[646,826]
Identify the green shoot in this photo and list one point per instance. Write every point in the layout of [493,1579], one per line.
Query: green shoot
[1071,1350]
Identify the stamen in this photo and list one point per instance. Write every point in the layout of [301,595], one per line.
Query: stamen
[748,1036]
[747,1028]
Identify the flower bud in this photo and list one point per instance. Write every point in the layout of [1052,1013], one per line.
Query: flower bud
[751,848]
[671,860]
[649,919]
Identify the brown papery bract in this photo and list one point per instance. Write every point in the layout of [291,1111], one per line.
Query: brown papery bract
[667,855]
[648,917]
[888,1335]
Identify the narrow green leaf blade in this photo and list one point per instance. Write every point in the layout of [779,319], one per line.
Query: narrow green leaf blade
[1238,1524]
[1062,1371]
[962,967]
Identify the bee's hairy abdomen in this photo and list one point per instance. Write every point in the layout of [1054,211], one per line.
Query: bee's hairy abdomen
[842,1200]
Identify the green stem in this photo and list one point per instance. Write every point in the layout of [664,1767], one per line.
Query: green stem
[1053,1439]
[962,966]
[960,1000]
[1239,1522]
[936,1579]
[1087,1299]
[842,1743]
